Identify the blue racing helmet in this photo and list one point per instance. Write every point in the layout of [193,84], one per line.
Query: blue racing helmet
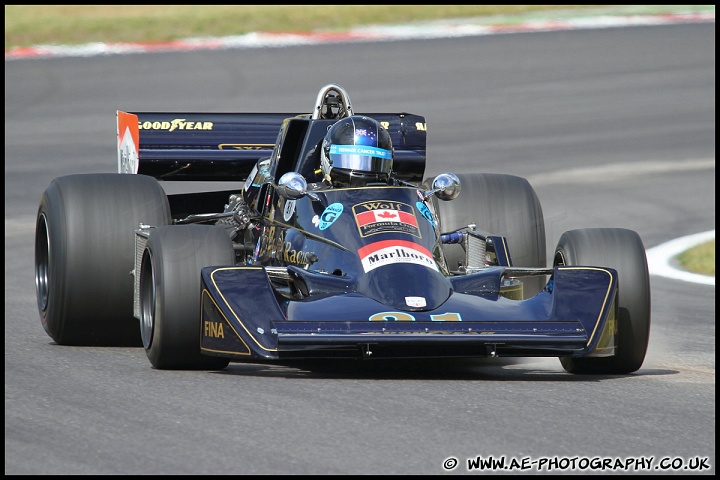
[356,151]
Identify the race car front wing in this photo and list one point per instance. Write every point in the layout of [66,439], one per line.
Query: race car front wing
[243,316]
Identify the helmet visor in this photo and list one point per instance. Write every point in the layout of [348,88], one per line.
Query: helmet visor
[361,157]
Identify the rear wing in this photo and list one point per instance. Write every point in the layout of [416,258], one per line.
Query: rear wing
[226,146]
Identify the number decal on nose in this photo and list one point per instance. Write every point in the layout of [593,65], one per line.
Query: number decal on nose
[392,316]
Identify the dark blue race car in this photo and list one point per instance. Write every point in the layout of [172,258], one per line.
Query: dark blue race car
[296,264]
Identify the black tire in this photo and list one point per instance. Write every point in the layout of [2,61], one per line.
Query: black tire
[85,255]
[624,251]
[170,294]
[503,205]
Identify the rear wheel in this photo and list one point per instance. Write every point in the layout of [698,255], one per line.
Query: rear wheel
[623,251]
[499,204]
[85,255]
[170,293]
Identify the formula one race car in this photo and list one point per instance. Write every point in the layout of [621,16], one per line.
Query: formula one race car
[334,246]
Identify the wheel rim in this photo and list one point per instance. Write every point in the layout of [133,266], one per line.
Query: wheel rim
[559,260]
[42,262]
[147,300]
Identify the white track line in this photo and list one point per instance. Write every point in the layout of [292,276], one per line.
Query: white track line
[661,258]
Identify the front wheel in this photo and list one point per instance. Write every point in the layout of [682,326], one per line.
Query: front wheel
[170,294]
[622,250]
[504,205]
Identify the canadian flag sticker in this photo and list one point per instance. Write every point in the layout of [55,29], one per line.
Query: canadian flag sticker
[385,216]
[388,252]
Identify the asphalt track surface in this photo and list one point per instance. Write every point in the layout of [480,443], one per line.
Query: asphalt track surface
[613,127]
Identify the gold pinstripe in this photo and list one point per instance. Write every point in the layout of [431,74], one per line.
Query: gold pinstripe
[212,276]
[249,352]
[605,300]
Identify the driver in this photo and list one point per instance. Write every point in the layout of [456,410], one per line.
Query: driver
[356,151]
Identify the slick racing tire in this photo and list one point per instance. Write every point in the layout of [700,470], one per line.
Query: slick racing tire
[622,250]
[85,255]
[170,317]
[498,204]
